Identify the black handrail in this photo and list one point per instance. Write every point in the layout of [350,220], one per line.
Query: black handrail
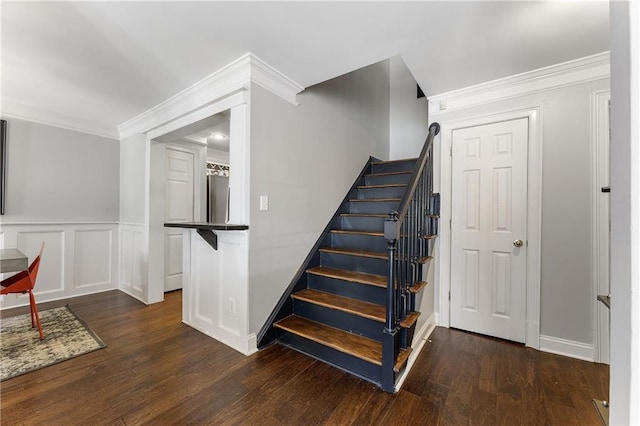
[434,129]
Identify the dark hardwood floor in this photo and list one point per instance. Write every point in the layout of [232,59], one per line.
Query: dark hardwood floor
[156,370]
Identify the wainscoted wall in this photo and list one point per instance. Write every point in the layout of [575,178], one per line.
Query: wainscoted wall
[133,259]
[78,258]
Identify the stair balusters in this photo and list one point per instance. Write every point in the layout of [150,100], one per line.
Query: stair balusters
[407,232]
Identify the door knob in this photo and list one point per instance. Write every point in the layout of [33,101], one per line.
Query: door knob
[518,243]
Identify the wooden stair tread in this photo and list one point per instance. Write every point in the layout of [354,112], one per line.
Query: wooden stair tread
[341,303]
[424,259]
[374,200]
[351,276]
[381,215]
[401,360]
[417,287]
[429,237]
[403,160]
[386,185]
[409,320]
[355,232]
[407,172]
[355,252]
[352,344]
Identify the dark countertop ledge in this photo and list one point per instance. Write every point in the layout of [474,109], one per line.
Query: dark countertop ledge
[207,226]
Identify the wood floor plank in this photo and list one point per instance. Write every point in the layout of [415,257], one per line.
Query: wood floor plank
[156,370]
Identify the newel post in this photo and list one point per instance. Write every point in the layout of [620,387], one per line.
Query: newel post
[390,335]
[391,235]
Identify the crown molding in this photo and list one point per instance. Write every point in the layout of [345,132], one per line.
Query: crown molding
[569,73]
[20,111]
[271,79]
[235,76]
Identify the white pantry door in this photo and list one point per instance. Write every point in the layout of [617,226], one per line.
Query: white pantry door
[178,208]
[488,229]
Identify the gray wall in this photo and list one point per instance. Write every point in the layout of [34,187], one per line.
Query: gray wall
[59,175]
[408,129]
[566,305]
[133,186]
[408,115]
[305,158]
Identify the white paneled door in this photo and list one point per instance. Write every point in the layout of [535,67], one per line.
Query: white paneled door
[488,229]
[178,208]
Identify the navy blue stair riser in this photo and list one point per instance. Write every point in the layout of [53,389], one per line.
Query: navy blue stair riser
[373,206]
[353,365]
[354,263]
[362,242]
[432,226]
[362,223]
[400,166]
[387,192]
[364,292]
[406,336]
[387,179]
[355,324]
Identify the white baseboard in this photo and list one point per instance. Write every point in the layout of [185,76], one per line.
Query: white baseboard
[570,348]
[252,344]
[128,293]
[419,339]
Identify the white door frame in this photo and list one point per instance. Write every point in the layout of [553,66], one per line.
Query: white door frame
[599,260]
[238,103]
[534,216]
[196,181]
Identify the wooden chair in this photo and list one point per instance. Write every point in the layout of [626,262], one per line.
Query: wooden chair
[24,282]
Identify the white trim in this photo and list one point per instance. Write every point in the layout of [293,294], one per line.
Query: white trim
[252,344]
[534,212]
[57,223]
[219,105]
[20,111]
[578,71]
[570,348]
[419,339]
[66,272]
[233,77]
[269,78]
[600,318]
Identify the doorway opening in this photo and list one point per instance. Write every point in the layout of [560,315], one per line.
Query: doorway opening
[190,195]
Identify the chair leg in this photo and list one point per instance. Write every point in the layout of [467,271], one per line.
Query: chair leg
[34,314]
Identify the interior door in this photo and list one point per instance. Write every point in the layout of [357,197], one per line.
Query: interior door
[178,208]
[488,229]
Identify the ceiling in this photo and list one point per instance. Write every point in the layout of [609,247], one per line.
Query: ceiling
[106,62]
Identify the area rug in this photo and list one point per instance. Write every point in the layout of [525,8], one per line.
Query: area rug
[66,336]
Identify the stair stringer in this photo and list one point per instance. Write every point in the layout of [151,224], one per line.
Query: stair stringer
[284,307]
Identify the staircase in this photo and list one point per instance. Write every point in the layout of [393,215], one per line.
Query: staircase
[352,304]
